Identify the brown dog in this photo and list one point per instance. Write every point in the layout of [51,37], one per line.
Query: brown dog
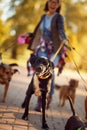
[67,90]
[86,107]
[6,73]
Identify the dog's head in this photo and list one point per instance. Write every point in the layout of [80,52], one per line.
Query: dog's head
[73,83]
[6,73]
[43,66]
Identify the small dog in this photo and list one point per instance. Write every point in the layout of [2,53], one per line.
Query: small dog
[74,122]
[6,73]
[40,85]
[86,107]
[67,90]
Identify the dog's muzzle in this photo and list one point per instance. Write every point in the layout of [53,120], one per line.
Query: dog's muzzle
[39,69]
[43,71]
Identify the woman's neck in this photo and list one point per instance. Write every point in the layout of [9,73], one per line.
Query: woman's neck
[50,14]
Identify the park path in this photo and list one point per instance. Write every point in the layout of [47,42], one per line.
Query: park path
[11,111]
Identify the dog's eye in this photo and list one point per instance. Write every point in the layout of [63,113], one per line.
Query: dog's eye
[38,61]
[44,63]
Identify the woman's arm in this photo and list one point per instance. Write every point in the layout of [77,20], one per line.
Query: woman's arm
[60,26]
[61,31]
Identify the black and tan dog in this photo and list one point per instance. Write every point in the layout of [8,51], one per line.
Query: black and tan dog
[40,85]
[6,73]
[74,122]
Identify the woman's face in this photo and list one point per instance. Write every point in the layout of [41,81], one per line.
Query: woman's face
[52,6]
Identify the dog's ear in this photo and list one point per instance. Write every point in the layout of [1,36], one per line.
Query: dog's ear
[16,70]
[33,59]
[51,64]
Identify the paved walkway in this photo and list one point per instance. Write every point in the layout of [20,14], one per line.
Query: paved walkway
[11,111]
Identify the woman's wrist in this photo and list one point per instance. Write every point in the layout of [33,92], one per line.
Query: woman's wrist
[66,44]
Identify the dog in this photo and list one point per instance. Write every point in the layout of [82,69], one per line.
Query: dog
[67,90]
[40,85]
[6,73]
[86,107]
[74,122]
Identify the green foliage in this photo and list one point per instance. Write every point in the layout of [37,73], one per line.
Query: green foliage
[27,15]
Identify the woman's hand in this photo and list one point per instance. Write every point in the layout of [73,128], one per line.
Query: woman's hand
[66,44]
[25,38]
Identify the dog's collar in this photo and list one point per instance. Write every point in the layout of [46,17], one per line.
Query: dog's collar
[44,77]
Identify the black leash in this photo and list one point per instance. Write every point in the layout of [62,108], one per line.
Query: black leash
[74,49]
[10,46]
[79,73]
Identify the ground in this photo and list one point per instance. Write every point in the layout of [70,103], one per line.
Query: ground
[11,111]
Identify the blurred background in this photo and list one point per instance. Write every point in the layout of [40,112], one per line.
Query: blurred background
[20,16]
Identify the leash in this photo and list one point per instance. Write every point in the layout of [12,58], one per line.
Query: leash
[73,48]
[79,73]
[85,84]
[54,56]
[56,53]
[10,46]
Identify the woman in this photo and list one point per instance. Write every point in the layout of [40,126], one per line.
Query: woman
[47,38]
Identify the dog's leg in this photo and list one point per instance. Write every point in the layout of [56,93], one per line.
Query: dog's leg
[27,100]
[39,104]
[24,102]
[5,92]
[49,100]
[44,124]
[59,104]
[73,98]
[60,99]
[63,101]
[25,115]
[86,108]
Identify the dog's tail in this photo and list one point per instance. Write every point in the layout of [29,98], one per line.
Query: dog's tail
[71,105]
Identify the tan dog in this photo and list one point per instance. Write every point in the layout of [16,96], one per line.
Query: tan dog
[6,73]
[67,90]
[86,107]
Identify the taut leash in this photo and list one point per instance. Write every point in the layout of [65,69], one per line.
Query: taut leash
[85,84]
[74,49]
[10,46]
[56,53]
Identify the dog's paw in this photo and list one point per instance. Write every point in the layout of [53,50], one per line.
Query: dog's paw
[24,117]
[45,126]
